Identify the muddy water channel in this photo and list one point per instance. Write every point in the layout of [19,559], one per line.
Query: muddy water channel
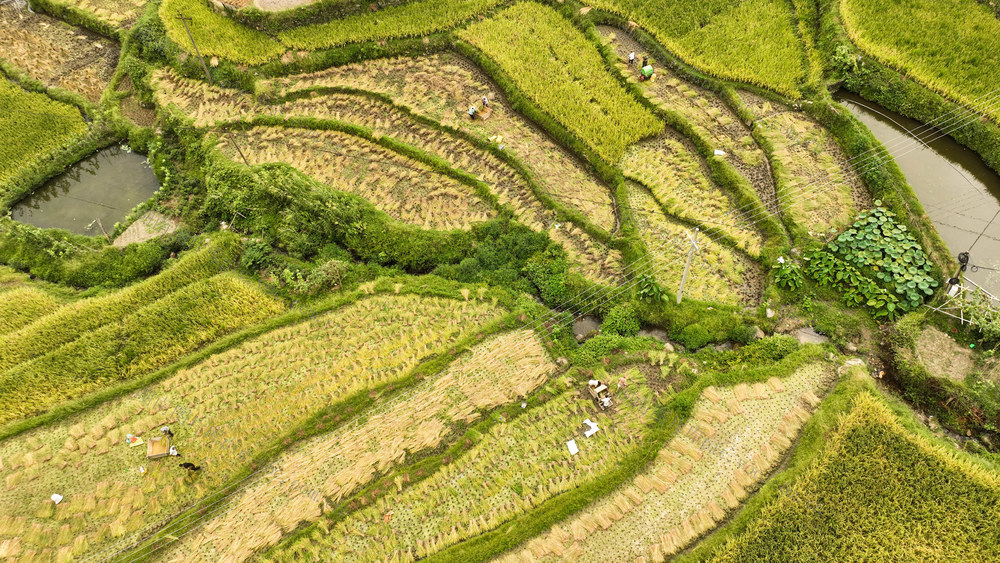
[958,191]
[98,191]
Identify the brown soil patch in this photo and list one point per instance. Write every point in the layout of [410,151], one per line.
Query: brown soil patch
[942,356]
[136,113]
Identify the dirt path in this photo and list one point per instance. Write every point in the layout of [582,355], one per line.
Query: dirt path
[149,226]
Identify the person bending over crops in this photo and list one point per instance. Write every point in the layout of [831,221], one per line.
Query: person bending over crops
[190,466]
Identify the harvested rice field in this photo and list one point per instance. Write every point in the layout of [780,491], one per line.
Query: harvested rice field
[120,14]
[405,189]
[682,185]
[215,407]
[492,280]
[57,54]
[817,188]
[443,86]
[492,373]
[213,106]
[711,118]
[519,465]
[718,272]
[733,439]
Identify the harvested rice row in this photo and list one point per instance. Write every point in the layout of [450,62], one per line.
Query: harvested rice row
[695,479]
[405,189]
[211,106]
[443,86]
[337,464]
[218,410]
[520,465]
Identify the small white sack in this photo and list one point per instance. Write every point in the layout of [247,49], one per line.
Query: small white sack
[573,450]
[56,498]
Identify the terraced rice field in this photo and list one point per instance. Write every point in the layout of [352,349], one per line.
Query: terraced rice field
[712,119]
[219,410]
[57,54]
[493,373]
[406,190]
[732,441]
[752,41]
[816,187]
[213,106]
[877,491]
[443,86]
[950,46]
[218,35]
[37,128]
[22,301]
[558,68]
[718,273]
[519,465]
[118,13]
[72,322]
[138,343]
[681,184]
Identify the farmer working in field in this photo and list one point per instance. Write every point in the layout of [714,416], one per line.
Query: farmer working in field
[472,112]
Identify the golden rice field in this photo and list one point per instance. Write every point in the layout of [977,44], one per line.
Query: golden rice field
[57,54]
[519,465]
[733,439]
[495,372]
[212,106]
[752,41]
[22,305]
[220,36]
[143,340]
[950,46]
[73,321]
[443,86]
[681,184]
[405,189]
[717,274]
[877,491]
[555,65]
[815,189]
[35,128]
[223,412]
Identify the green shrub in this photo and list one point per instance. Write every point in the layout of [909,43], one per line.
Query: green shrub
[744,334]
[292,213]
[621,320]
[694,336]
[547,271]
[593,351]
[787,275]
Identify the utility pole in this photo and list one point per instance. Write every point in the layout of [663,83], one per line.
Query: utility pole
[185,21]
[238,149]
[687,264]
[208,77]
